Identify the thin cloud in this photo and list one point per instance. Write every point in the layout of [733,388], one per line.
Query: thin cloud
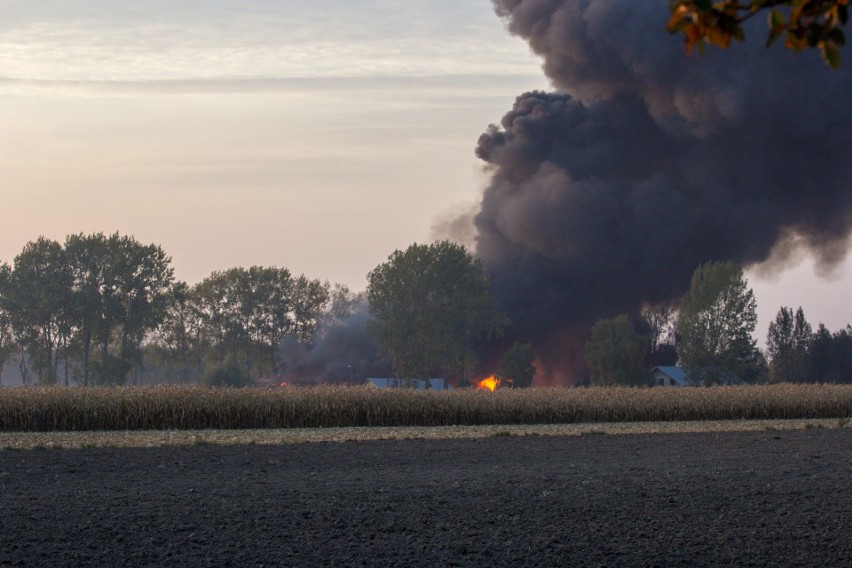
[464,86]
[198,40]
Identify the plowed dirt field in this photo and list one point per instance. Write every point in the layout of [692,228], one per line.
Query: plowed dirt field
[698,499]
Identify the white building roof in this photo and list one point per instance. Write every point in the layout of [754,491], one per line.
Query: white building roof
[676,374]
[434,384]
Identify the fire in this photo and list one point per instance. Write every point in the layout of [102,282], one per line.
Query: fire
[489,383]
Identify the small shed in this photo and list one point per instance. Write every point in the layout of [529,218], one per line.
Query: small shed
[670,377]
[432,384]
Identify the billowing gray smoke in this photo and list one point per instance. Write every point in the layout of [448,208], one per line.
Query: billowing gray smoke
[609,192]
[342,353]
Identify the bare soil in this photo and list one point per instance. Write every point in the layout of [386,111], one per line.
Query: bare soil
[768,498]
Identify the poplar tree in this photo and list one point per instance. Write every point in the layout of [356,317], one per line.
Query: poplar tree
[788,345]
[515,368]
[718,315]
[616,353]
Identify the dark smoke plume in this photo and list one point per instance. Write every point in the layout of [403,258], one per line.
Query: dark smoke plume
[606,194]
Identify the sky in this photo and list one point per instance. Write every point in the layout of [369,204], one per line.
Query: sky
[319,136]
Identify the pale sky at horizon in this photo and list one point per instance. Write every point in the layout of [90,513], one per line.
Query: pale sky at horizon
[318,136]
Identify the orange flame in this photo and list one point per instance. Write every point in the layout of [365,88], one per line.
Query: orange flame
[489,383]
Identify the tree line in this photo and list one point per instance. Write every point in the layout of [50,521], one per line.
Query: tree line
[98,309]
[709,333]
[105,309]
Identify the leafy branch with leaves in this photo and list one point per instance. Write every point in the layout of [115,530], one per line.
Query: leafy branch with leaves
[803,23]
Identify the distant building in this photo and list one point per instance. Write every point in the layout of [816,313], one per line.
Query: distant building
[669,377]
[433,384]
[677,377]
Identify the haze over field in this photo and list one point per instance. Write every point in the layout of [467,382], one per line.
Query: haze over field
[318,136]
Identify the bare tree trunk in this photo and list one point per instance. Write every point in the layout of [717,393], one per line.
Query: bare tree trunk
[23,367]
[87,347]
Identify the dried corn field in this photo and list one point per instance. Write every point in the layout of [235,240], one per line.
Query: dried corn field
[191,407]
